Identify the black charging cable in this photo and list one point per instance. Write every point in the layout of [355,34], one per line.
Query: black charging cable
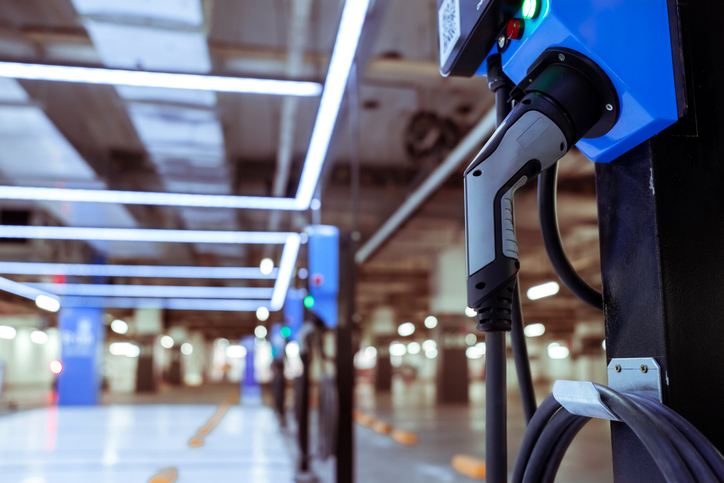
[679,450]
[548,215]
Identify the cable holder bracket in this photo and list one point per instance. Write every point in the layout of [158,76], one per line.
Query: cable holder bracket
[641,375]
[582,399]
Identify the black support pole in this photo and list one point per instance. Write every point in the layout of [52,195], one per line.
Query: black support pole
[303,417]
[661,215]
[344,359]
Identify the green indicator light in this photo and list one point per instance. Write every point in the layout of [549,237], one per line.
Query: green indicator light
[531,8]
[309,301]
[286,331]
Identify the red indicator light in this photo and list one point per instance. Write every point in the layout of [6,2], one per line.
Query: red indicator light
[515,29]
[56,367]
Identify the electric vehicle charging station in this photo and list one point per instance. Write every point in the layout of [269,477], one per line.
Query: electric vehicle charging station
[312,315]
[606,77]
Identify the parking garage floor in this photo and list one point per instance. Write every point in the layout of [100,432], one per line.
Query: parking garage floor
[144,438]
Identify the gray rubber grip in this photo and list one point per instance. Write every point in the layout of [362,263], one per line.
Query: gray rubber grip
[533,137]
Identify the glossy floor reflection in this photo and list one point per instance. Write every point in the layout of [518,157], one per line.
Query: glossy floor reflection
[122,444]
[446,430]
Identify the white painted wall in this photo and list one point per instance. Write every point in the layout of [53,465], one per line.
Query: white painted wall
[27,363]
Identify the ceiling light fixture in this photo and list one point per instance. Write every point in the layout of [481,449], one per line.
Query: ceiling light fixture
[340,65]
[124,77]
[144,235]
[159,291]
[86,270]
[222,305]
[119,296]
[147,198]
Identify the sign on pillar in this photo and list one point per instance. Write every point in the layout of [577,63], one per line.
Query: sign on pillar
[82,334]
[324,272]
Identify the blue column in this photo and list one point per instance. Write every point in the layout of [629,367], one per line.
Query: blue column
[82,335]
[250,390]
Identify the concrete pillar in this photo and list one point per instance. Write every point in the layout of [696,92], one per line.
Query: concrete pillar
[383,330]
[82,334]
[452,365]
[148,323]
[448,303]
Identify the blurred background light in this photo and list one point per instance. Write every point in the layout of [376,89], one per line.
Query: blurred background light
[544,290]
[39,337]
[124,349]
[429,344]
[408,328]
[119,326]
[292,349]
[235,351]
[262,313]
[266,266]
[46,302]
[398,349]
[474,352]
[557,351]
[413,348]
[260,331]
[430,321]
[7,332]
[56,367]
[534,330]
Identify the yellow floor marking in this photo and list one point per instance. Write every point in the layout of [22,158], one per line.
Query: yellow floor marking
[365,420]
[168,475]
[404,437]
[382,427]
[205,430]
[469,466]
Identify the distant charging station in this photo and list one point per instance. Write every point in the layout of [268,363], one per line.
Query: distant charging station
[323,272]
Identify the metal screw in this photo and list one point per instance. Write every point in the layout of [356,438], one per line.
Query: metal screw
[617,368]
[561,57]
[644,368]
[609,107]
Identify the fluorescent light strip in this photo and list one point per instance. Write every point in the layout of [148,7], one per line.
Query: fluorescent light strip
[115,77]
[143,235]
[143,271]
[143,198]
[161,303]
[160,291]
[345,49]
[23,290]
[286,272]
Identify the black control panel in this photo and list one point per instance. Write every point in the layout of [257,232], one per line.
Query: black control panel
[468,29]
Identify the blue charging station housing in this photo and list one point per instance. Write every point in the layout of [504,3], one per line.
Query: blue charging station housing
[294,311]
[631,41]
[324,271]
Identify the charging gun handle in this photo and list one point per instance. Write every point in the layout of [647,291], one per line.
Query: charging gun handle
[532,138]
